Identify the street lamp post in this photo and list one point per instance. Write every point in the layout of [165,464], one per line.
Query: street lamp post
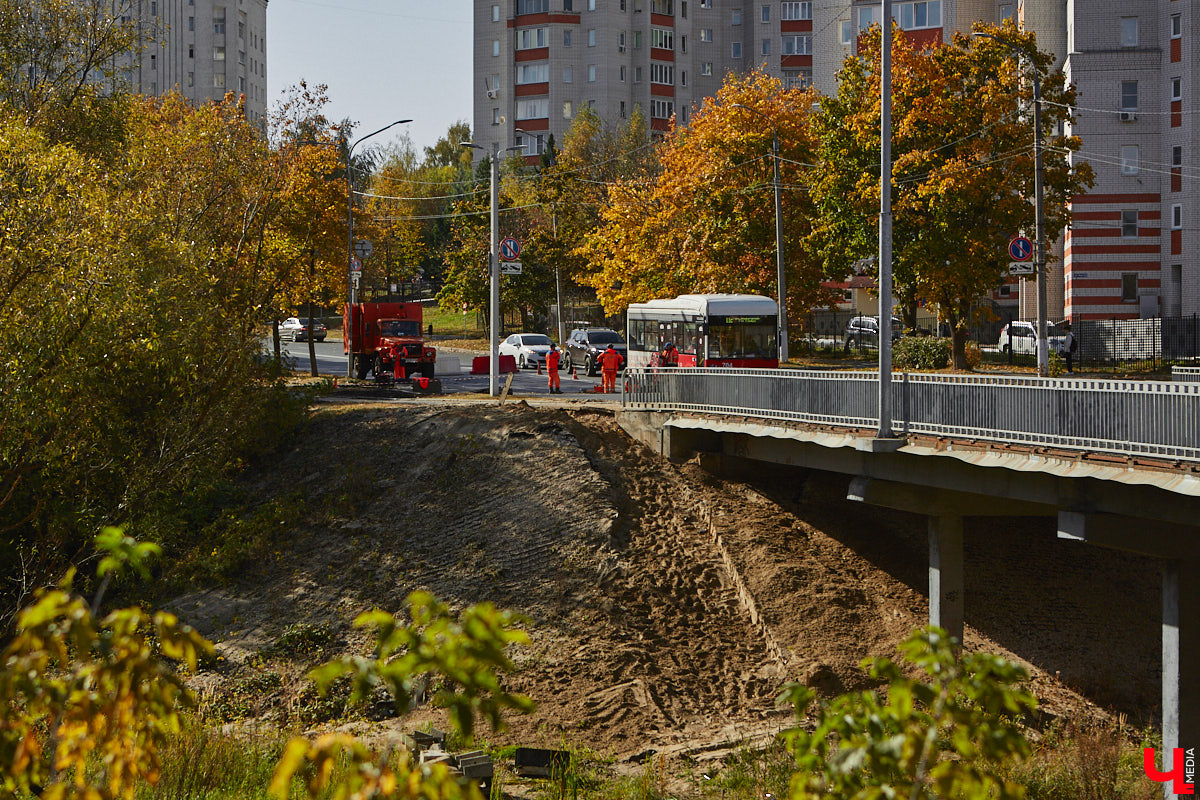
[885,223]
[352,292]
[780,277]
[1039,230]
[493,265]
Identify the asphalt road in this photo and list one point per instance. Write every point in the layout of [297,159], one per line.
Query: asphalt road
[331,362]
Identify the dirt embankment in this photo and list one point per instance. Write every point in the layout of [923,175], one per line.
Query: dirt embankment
[666,604]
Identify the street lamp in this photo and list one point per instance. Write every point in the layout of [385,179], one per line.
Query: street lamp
[1039,232]
[781,279]
[352,293]
[493,265]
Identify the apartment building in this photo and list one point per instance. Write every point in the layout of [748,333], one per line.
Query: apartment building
[202,48]
[1127,255]
[1132,250]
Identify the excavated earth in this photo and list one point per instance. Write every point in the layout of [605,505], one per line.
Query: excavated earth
[666,603]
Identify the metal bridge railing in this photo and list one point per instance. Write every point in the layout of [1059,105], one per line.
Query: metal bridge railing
[1185,373]
[1152,418]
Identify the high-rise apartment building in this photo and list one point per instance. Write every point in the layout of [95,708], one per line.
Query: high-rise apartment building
[1131,251]
[204,48]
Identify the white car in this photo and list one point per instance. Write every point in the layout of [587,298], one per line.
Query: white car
[529,349]
[1021,337]
[295,330]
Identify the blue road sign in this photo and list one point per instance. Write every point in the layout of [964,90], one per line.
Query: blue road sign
[510,249]
[1020,248]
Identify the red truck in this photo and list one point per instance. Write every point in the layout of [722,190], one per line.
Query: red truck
[384,333]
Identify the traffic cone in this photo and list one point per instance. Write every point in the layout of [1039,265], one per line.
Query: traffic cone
[574,375]
[539,368]
[335,383]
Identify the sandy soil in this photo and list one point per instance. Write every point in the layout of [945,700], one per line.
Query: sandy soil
[666,604]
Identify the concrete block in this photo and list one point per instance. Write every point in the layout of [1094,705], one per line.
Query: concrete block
[448,365]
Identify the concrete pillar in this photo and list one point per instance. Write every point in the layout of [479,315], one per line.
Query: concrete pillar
[1180,663]
[946,573]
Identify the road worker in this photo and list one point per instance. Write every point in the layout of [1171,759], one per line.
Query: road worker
[610,362]
[552,371]
[670,356]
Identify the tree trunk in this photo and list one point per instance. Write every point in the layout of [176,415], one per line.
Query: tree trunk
[958,341]
[312,342]
[275,338]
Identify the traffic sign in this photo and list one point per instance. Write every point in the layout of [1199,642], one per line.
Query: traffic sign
[1020,268]
[510,249]
[510,267]
[1020,248]
[363,248]
[355,265]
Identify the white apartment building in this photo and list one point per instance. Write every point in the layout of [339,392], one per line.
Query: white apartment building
[1131,250]
[204,48]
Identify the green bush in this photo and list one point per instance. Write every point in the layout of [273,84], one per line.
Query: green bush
[921,353]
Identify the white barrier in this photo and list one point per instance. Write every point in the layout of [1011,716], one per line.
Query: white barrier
[448,365]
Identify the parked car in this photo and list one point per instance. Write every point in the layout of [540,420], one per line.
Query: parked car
[529,349]
[863,332]
[295,330]
[1020,337]
[585,345]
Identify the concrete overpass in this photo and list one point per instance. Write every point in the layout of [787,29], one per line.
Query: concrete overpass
[1115,464]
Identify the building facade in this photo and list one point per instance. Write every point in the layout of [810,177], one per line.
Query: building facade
[1130,251]
[203,48]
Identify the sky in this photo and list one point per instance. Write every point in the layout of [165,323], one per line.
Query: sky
[383,60]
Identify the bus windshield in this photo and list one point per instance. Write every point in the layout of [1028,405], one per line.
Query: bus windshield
[399,327]
[741,340]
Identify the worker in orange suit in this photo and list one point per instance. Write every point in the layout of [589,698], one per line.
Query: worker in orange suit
[552,371]
[610,362]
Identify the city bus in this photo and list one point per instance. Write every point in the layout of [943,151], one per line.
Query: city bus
[708,330]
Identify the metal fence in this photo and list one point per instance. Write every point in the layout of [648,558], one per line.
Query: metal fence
[1153,418]
[1185,373]
[1153,342]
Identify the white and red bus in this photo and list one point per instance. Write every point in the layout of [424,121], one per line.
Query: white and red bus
[708,330]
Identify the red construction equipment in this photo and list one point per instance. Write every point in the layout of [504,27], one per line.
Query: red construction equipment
[387,338]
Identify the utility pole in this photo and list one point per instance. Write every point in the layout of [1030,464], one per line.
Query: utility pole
[885,224]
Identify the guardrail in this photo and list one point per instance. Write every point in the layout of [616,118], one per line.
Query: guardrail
[1185,373]
[1150,418]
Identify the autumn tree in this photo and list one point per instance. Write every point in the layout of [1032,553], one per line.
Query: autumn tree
[706,223]
[962,172]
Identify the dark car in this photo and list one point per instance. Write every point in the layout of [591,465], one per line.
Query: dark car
[295,330]
[864,332]
[585,345]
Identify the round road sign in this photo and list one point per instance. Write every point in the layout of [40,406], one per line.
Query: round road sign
[355,265]
[1020,248]
[510,249]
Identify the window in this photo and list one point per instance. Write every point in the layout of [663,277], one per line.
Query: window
[662,7]
[218,54]
[496,116]
[567,76]
[1129,287]
[766,13]
[219,81]
[566,109]
[533,6]
[868,16]
[495,13]
[1129,96]
[847,32]
[1129,159]
[683,114]
[1176,26]
[191,79]
[528,38]
[1177,216]
[622,73]
[912,16]
[591,5]
[568,5]
[662,73]
[661,109]
[495,47]
[153,62]
[1176,156]
[495,80]
[622,5]
[796,10]
[191,23]
[154,8]
[566,38]
[533,73]
[591,37]
[766,47]
[241,56]
[1129,223]
[621,42]
[622,109]
[797,45]
[706,68]
[219,26]
[736,17]
[591,73]
[535,145]
[683,77]
[637,74]
[191,51]
[683,44]
[1176,88]
[1129,31]
[683,8]
[1006,11]
[706,3]
[241,30]
[662,38]
[706,34]
[797,79]
[735,50]
[533,109]
[637,40]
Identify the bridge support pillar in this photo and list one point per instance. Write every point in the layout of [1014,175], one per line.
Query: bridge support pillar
[946,602]
[1180,657]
